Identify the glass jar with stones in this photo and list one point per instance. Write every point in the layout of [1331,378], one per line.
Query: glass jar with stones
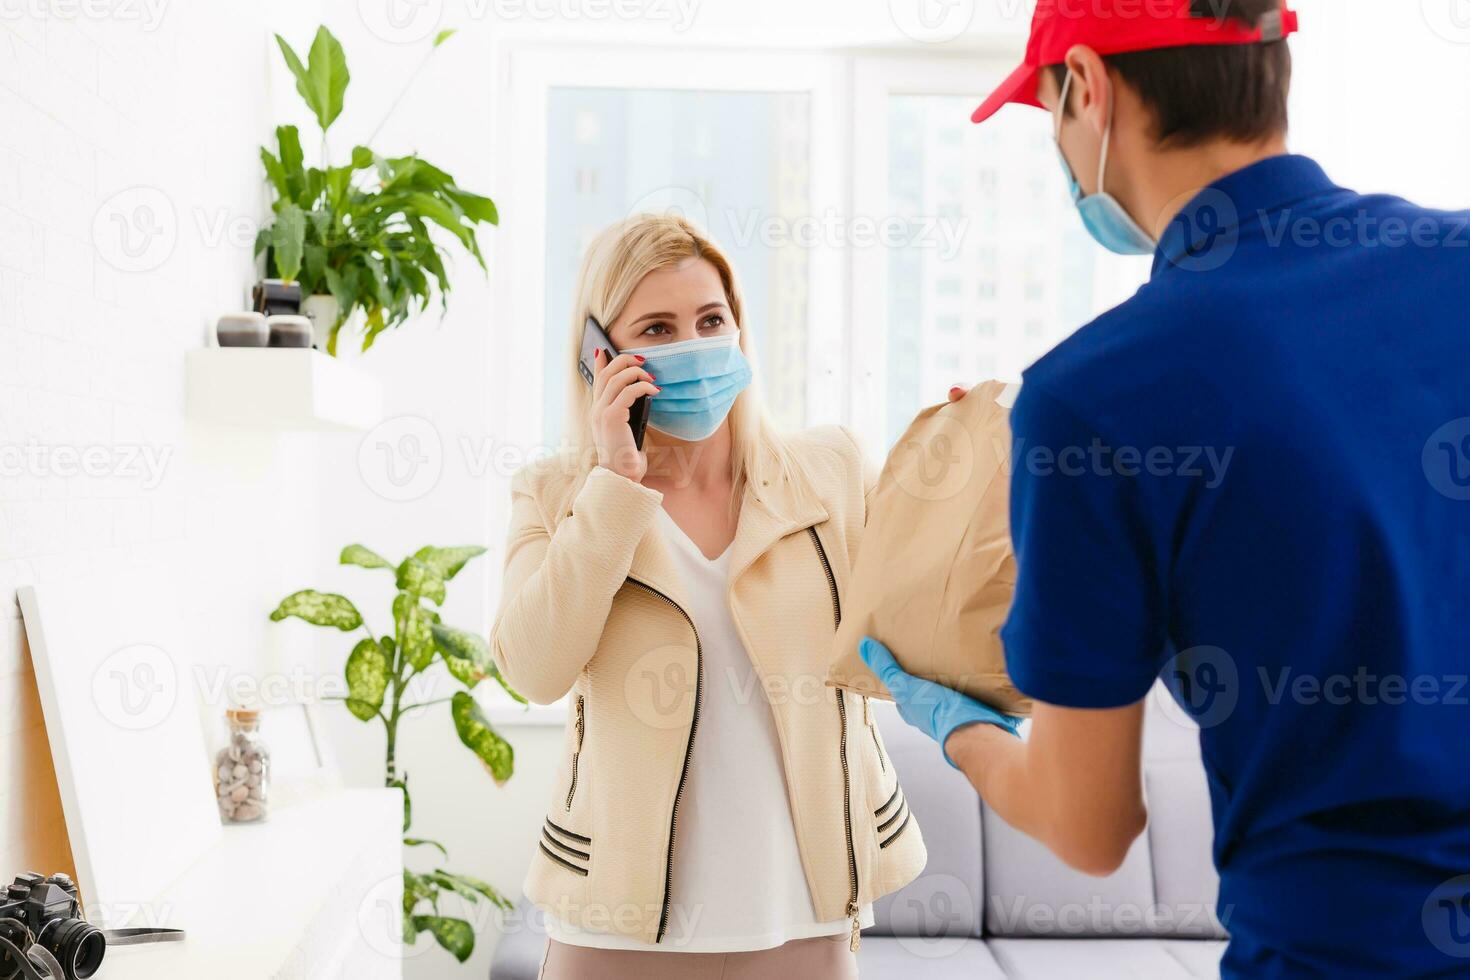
[242,770]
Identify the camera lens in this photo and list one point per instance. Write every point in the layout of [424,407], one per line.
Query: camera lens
[77,944]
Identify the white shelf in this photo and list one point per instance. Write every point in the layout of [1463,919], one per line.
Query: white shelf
[279,388]
[314,891]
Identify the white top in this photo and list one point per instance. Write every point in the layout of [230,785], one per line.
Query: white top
[737,883]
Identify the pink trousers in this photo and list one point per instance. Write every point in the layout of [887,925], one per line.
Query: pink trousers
[819,958]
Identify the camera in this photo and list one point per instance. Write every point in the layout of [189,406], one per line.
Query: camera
[45,912]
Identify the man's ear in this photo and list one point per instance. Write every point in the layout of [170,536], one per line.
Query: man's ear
[1092,94]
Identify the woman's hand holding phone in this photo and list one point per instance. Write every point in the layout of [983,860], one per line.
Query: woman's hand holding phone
[616,386]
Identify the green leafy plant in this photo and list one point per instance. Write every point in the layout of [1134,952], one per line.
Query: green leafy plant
[380,670]
[363,231]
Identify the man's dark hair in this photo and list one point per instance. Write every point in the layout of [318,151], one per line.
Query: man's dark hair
[1205,92]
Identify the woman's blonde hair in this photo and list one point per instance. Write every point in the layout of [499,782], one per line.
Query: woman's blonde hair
[615,263]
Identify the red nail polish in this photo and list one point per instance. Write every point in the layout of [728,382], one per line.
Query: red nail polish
[640,360]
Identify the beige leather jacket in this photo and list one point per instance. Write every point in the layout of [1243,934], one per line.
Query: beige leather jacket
[592,607]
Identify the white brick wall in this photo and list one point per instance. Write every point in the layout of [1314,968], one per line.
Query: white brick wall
[93,329]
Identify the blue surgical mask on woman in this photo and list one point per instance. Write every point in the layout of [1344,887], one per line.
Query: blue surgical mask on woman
[1107,221]
[698,381]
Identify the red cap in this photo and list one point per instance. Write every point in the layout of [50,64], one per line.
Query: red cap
[1116,26]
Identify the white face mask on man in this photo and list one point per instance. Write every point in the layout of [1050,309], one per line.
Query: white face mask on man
[1107,221]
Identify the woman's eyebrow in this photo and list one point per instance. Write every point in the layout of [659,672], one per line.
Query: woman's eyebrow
[713,305]
[652,316]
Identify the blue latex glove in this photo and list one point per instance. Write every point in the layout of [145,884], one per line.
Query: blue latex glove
[932,708]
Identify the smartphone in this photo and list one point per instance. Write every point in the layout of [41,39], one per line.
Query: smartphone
[594,337]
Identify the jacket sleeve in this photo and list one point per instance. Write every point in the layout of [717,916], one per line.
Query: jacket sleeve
[558,586]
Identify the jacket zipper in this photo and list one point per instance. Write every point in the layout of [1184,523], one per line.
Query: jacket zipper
[663,919]
[581,731]
[868,720]
[852,902]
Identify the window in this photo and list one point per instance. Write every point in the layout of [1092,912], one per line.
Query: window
[1011,250]
[1029,275]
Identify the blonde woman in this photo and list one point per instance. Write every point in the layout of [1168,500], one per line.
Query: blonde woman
[718,810]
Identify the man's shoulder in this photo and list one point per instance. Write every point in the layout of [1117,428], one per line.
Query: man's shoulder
[1146,367]
[1117,348]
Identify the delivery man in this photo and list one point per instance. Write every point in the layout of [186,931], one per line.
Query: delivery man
[1309,605]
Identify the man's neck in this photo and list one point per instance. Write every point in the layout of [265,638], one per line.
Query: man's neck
[1179,175]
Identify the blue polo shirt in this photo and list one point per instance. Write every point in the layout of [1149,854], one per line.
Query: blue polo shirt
[1252,479]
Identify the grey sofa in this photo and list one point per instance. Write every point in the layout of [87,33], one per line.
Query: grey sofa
[992,903]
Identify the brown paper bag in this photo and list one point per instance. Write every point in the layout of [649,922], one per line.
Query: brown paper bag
[935,575]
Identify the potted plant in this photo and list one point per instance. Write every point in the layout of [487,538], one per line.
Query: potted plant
[360,236]
[380,669]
